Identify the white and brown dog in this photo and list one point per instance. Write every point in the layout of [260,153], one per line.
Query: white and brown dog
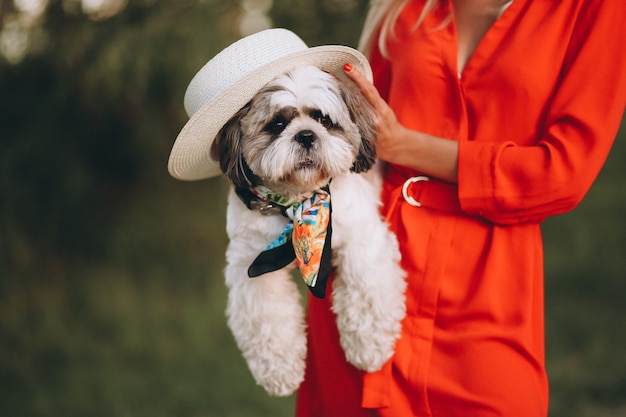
[302,131]
[267,113]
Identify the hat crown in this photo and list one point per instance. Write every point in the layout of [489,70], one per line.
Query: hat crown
[237,61]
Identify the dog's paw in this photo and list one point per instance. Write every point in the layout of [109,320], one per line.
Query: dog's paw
[369,320]
[279,375]
[367,353]
[276,354]
[267,321]
[368,293]
[370,346]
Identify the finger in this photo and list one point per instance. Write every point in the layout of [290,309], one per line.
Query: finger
[367,88]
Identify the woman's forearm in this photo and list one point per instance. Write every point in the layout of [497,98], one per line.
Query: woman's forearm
[433,156]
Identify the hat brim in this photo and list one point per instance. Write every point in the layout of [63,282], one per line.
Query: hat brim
[190,158]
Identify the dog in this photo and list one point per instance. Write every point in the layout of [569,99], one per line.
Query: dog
[305,131]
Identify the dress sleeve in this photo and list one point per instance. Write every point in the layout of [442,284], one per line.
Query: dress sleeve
[528,183]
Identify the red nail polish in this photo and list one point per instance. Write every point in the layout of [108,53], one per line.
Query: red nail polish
[347,67]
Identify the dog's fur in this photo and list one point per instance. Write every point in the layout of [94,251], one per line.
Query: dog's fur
[298,132]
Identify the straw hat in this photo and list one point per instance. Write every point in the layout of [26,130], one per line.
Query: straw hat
[231,79]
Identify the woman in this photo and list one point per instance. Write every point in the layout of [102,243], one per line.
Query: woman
[492,116]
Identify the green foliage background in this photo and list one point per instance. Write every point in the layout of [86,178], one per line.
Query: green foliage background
[111,295]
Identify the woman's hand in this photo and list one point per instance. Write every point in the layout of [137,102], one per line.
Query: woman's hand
[399,145]
[389,130]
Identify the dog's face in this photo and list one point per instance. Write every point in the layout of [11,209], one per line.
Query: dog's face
[299,131]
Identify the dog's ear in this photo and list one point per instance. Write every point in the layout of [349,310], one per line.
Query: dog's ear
[227,149]
[364,116]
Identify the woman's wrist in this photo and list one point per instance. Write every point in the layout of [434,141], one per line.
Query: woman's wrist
[433,156]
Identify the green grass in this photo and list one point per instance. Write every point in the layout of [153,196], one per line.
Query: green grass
[109,346]
[141,332]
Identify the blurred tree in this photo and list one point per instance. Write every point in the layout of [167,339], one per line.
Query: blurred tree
[322,22]
[91,115]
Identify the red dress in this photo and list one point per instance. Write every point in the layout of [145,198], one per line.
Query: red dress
[535,111]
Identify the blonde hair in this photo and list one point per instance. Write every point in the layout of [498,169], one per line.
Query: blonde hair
[381,18]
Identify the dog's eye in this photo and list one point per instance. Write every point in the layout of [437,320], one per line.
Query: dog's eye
[322,119]
[326,122]
[276,126]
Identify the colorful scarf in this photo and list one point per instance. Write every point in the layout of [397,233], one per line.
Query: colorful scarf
[309,232]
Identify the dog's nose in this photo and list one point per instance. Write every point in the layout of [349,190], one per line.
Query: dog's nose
[305,138]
